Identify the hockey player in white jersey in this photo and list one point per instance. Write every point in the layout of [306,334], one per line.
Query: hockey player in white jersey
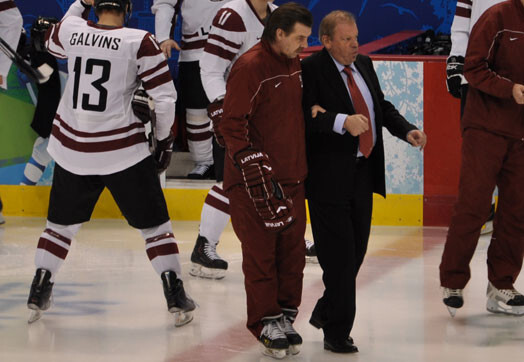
[237,26]
[10,26]
[196,21]
[467,13]
[98,142]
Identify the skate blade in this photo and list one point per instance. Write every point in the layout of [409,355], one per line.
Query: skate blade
[452,311]
[502,308]
[293,349]
[182,318]
[200,271]
[274,353]
[34,315]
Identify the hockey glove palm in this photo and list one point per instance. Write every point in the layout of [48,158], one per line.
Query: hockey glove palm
[214,112]
[163,152]
[455,75]
[275,209]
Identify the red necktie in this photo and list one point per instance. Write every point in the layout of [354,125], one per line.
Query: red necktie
[366,138]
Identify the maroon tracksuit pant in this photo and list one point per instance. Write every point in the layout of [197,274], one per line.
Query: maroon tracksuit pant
[273,263]
[487,160]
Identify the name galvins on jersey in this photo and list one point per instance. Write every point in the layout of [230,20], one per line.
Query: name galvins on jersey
[95,131]
[197,16]
[236,28]
[466,15]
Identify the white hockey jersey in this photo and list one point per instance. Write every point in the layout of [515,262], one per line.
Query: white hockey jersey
[95,131]
[10,30]
[197,16]
[466,15]
[236,28]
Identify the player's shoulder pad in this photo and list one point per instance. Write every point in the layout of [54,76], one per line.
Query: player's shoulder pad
[228,19]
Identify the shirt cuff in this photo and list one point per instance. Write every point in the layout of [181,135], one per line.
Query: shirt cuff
[338,126]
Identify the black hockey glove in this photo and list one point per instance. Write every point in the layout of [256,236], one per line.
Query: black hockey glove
[455,75]
[163,152]
[38,31]
[214,112]
[275,209]
[140,105]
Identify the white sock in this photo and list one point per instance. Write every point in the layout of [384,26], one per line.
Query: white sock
[215,214]
[199,136]
[36,165]
[162,249]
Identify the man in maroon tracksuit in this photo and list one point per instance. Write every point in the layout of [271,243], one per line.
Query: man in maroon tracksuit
[492,154]
[265,166]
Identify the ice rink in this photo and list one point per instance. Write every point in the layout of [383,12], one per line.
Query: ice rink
[109,305]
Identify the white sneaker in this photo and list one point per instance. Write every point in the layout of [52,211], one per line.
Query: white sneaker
[453,299]
[507,301]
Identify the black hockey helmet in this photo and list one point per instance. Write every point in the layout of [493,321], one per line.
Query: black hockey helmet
[124,6]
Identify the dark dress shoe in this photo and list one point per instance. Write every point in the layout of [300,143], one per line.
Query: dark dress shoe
[340,346]
[316,321]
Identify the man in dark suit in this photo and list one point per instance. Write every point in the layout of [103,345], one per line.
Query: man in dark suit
[345,156]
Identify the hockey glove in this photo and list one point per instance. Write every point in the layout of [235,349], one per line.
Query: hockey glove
[38,31]
[214,112]
[140,105]
[163,152]
[275,209]
[455,75]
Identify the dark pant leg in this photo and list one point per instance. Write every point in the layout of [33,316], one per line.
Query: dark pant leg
[506,248]
[258,259]
[291,253]
[482,159]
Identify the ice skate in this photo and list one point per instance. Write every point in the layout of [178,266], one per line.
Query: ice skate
[453,299]
[201,171]
[294,339]
[506,301]
[311,252]
[178,302]
[273,338]
[205,261]
[488,226]
[40,295]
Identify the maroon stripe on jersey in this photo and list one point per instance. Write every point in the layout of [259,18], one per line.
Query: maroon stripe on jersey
[58,236]
[159,237]
[161,250]
[52,248]
[194,126]
[228,19]
[104,146]
[217,204]
[199,136]
[224,41]
[219,52]
[148,47]
[158,80]
[55,38]
[152,70]
[219,191]
[465,13]
[193,44]
[7,5]
[190,35]
[113,132]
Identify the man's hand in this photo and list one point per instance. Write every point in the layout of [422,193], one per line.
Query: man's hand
[417,138]
[214,112]
[315,109]
[518,93]
[356,124]
[163,152]
[455,75]
[167,46]
[275,209]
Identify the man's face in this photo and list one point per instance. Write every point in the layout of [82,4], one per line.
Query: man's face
[292,44]
[343,45]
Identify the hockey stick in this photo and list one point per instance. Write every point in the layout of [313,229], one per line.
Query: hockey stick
[40,75]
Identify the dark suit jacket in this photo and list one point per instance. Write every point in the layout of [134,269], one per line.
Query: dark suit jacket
[331,156]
